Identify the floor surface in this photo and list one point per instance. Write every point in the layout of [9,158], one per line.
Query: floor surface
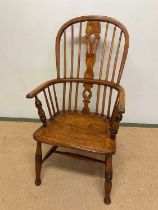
[69,184]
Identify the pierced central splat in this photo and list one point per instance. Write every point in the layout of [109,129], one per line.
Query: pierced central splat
[92,39]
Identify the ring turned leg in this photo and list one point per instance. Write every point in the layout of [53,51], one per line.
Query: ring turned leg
[108,178]
[38,163]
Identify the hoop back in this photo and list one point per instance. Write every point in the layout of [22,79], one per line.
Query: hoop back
[100,53]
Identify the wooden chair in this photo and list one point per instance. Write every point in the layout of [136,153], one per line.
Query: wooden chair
[84,104]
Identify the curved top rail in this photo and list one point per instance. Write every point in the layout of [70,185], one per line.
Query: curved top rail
[92,18]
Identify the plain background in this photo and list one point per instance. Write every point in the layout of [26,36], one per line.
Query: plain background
[27,37]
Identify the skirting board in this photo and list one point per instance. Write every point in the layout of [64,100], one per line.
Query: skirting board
[142,125]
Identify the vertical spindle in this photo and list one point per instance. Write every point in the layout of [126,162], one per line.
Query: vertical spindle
[48,106]
[101,64]
[107,69]
[56,100]
[78,66]
[51,100]
[64,85]
[72,60]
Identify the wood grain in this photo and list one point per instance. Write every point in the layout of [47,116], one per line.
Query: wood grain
[38,163]
[81,129]
[88,132]
[92,28]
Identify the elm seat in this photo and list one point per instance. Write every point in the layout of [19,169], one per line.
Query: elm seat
[88,132]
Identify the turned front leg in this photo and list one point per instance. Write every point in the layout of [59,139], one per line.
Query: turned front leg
[38,163]
[108,178]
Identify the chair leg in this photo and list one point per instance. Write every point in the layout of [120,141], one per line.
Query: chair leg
[108,178]
[38,163]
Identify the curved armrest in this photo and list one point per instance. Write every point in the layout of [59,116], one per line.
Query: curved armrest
[117,87]
[119,106]
[41,87]
[121,101]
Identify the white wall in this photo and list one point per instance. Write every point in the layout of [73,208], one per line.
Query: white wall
[27,36]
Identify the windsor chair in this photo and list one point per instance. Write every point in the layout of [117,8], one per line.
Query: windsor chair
[81,109]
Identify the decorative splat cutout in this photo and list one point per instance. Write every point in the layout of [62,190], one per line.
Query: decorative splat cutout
[92,39]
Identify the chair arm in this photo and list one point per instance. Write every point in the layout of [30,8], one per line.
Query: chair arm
[117,113]
[40,88]
[120,108]
[38,103]
[121,100]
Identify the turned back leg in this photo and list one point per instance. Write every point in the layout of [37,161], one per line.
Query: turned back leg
[108,178]
[38,163]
